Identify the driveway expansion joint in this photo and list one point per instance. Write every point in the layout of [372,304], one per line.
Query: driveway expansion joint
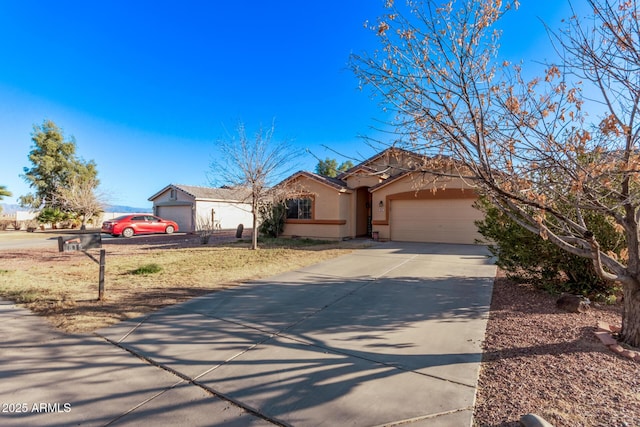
[423,417]
[194,382]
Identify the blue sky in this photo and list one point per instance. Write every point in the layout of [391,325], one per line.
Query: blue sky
[148,87]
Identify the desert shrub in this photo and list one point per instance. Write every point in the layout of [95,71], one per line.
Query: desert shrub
[147,269]
[5,224]
[51,216]
[525,256]
[205,229]
[272,217]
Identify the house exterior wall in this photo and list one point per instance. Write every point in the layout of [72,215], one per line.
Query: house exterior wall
[181,198]
[329,213]
[362,180]
[227,215]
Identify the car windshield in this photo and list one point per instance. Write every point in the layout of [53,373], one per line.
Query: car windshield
[120,218]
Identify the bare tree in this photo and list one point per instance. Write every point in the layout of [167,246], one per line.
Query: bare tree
[528,145]
[254,164]
[81,196]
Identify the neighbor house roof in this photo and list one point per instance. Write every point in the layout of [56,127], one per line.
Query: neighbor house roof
[208,193]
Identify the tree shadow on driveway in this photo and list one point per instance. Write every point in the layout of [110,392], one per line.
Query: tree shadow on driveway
[365,350]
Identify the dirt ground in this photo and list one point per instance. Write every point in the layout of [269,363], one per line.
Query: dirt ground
[63,287]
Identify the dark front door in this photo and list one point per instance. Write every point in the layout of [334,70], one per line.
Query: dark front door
[363,212]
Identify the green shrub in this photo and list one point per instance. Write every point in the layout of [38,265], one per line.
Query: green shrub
[272,217]
[51,216]
[147,269]
[525,256]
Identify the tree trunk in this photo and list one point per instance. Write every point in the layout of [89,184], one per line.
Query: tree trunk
[254,231]
[254,234]
[631,316]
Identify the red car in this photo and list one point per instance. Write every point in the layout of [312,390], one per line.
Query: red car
[129,225]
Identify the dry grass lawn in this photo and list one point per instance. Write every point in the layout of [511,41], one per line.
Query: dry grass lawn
[63,287]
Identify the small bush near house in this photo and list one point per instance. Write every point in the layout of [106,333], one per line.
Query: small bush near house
[5,224]
[526,257]
[272,217]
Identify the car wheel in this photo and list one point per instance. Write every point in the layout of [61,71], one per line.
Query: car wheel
[169,229]
[128,232]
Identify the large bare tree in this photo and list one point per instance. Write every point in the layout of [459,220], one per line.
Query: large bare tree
[81,196]
[526,143]
[254,164]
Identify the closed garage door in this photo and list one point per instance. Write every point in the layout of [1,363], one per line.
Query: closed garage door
[442,221]
[180,214]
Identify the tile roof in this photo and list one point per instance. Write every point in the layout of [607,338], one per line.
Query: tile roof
[332,182]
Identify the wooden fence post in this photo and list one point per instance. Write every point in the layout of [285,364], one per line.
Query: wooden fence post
[101,277]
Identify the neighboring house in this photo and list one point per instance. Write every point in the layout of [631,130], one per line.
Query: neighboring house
[194,208]
[385,197]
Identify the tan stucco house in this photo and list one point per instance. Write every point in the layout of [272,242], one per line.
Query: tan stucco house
[194,207]
[385,197]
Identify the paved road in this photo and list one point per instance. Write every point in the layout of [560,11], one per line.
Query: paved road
[42,241]
[386,335]
[49,240]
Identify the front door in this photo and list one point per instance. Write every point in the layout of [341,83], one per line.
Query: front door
[363,212]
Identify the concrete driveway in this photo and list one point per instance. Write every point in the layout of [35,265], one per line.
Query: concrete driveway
[384,336]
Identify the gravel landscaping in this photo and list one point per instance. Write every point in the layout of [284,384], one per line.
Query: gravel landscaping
[540,359]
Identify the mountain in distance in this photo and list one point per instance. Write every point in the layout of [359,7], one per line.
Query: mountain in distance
[9,209]
[126,209]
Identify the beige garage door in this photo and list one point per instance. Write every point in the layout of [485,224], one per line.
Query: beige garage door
[442,221]
[180,214]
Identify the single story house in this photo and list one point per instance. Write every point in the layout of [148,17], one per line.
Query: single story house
[194,208]
[385,197]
